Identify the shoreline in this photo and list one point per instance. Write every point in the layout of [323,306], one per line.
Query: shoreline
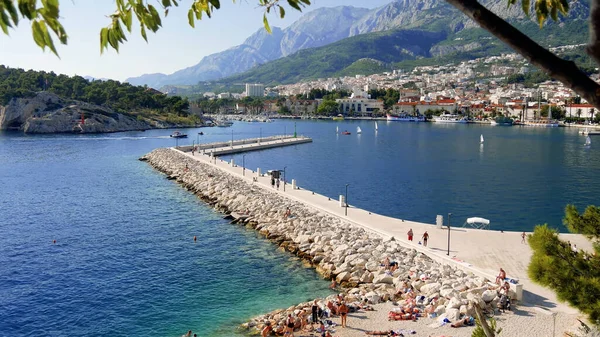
[265,221]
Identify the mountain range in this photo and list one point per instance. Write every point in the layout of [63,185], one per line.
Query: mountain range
[324,26]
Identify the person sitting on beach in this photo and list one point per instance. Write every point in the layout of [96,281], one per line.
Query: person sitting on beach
[280,330]
[310,327]
[386,263]
[467,321]
[332,308]
[333,283]
[247,211]
[288,213]
[393,266]
[504,288]
[303,320]
[501,276]
[266,330]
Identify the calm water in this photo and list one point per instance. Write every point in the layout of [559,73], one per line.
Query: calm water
[124,263]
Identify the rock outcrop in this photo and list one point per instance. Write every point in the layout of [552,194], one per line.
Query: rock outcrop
[334,247]
[46,112]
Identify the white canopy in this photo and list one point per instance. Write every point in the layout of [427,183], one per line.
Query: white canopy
[478,220]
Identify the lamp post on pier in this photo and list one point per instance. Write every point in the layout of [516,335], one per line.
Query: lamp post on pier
[295,135]
[243,165]
[260,136]
[284,177]
[449,215]
[231,138]
[346,200]
[193,146]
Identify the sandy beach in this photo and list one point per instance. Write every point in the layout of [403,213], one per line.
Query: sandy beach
[523,321]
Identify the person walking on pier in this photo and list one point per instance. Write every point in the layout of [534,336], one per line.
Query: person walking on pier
[523,235]
[272,181]
[425,238]
[410,234]
[277,182]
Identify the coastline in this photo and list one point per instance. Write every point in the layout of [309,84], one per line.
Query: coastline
[302,237]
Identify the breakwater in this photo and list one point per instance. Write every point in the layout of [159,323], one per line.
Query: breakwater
[335,247]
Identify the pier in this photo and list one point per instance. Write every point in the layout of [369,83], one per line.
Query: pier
[246,145]
[481,252]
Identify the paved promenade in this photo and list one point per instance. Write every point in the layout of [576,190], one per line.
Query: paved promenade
[482,252]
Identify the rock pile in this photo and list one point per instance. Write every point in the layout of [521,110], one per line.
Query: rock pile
[336,248]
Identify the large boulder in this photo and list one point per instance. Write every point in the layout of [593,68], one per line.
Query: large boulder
[383,278]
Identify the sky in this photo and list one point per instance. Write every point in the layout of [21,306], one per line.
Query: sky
[175,46]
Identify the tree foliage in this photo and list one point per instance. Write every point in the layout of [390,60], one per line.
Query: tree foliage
[574,276]
[328,107]
[44,16]
[121,97]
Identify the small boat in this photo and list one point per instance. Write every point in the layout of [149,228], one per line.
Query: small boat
[346,132]
[448,118]
[337,129]
[502,121]
[584,132]
[178,134]
[201,133]
[403,117]
[376,127]
[481,139]
[358,130]
[588,141]
[339,117]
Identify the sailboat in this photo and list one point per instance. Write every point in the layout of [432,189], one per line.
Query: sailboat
[337,129]
[358,130]
[376,127]
[481,139]
[588,141]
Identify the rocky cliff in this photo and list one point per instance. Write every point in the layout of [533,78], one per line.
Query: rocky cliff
[46,112]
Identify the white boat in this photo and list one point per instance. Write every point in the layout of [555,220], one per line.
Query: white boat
[337,129]
[376,127]
[481,139]
[542,123]
[405,118]
[358,130]
[448,118]
[588,141]
[584,132]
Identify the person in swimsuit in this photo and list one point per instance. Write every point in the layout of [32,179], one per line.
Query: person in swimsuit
[289,324]
[343,310]
[425,238]
[410,234]
[314,309]
[266,330]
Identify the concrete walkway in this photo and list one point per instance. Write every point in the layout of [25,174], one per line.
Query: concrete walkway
[482,252]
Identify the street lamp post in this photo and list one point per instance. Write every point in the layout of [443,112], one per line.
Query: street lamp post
[244,165]
[284,177]
[193,146]
[449,215]
[176,142]
[231,138]
[260,136]
[198,138]
[295,135]
[346,200]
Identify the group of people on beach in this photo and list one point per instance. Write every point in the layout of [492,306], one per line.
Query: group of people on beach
[425,237]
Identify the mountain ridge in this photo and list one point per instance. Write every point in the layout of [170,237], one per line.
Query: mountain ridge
[324,26]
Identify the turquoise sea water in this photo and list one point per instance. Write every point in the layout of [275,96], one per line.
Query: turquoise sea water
[124,262]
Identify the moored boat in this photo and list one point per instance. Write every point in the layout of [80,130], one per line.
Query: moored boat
[405,118]
[178,134]
[502,121]
[448,118]
[346,132]
[544,123]
[339,117]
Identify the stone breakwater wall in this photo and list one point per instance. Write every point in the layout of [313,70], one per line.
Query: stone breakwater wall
[334,247]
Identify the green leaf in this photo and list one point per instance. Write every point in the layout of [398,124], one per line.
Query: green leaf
[294,4]
[47,38]
[143,31]
[4,23]
[155,15]
[38,35]
[127,20]
[215,3]
[103,39]
[266,22]
[281,12]
[191,20]
[526,5]
[10,7]
[166,3]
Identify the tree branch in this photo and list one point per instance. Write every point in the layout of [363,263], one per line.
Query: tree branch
[565,71]
[593,48]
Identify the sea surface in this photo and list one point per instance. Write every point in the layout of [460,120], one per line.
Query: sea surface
[124,262]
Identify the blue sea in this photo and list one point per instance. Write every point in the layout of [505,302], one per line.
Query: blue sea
[125,263]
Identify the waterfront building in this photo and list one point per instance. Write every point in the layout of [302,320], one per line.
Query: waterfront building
[255,90]
[360,106]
